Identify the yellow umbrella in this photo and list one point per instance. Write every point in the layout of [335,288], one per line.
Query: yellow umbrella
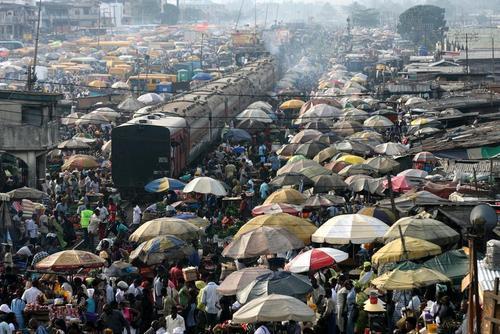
[70,260]
[80,161]
[420,121]
[292,104]
[408,279]
[165,226]
[325,154]
[288,195]
[98,84]
[301,228]
[411,249]
[351,159]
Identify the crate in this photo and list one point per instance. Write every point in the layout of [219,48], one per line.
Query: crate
[190,274]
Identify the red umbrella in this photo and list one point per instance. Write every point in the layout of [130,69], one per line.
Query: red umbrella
[399,184]
[276,208]
[424,157]
[315,259]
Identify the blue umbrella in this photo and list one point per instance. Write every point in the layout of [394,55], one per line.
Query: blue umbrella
[237,136]
[202,76]
[163,184]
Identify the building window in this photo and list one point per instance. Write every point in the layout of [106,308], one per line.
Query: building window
[86,11]
[32,115]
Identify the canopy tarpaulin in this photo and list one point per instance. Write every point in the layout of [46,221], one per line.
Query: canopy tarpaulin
[454,264]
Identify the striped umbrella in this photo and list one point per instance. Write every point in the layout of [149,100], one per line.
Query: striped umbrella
[164,184]
[315,259]
[424,157]
[156,250]
[267,209]
[383,214]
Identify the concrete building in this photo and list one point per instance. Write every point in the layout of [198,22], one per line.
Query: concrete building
[28,129]
[17,21]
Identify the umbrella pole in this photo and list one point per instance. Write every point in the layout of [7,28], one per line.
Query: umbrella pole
[405,252]
[391,196]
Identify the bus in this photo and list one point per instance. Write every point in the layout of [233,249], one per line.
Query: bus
[149,82]
[11,45]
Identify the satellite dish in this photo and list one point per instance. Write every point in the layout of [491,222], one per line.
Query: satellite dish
[484,215]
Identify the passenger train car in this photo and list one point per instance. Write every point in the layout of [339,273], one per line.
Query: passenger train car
[177,133]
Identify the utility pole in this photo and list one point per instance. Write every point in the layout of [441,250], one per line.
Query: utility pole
[467,54]
[201,52]
[32,70]
[493,58]
[99,26]
[265,19]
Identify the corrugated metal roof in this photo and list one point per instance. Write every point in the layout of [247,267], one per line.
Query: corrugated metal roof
[486,276]
[408,88]
[480,166]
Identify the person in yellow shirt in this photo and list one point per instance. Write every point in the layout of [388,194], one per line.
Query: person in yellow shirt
[85,216]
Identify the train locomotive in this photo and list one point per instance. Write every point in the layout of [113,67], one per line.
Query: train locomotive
[175,134]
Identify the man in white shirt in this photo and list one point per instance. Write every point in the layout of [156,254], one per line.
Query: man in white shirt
[210,298]
[136,218]
[174,321]
[32,230]
[30,296]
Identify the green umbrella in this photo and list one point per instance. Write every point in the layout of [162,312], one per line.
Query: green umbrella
[454,264]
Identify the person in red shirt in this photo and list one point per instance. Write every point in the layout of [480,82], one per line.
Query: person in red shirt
[175,274]
[112,208]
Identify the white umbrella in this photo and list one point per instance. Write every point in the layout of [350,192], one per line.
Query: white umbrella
[254,114]
[150,98]
[73,144]
[274,308]
[120,85]
[261,105]
[110,114]
[70,119]
[414,173]
[92,119]
[354,228]
[106,148]
[392,149]
[237,280]
[205,185]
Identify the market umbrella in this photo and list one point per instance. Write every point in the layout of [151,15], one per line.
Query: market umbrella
[425,132]
[70,119]
[415,173]
[350,228]
[415,100]
[365,183]
[255,114]
[310,149]
[383,214]
[130,104]
[367,135]
[408,279]
[357,169]
[164,184]
[351,159]
[314,171]
[290,179]
[317,201]
[150,99]
[251,125]
[392,149]
[202,76]
[98,84]
[73,144]
[287,195]
[165,226]
[91,118]
[291,104]
[236,135]
[353,146]
[325,154]
[297,166]
[120,85]
[267,209]
[287,150]
[305,136]
[295,158]
[329,138]
[346,128]
[28,193]
[399,183]
[261,105]
[70,260]
[274,308]
[354,114]
[277,282]
[80,162]
[325,183]
[336,166]
[316,259]
[264,240]
[317,125]
[191,218]
[424,157]
[409,249]
[315,101]
[423,228]
[205,185]
[454,264]
[239,279]
[378,121]
[156,250]
[302,228]
[382,164]
[108,113]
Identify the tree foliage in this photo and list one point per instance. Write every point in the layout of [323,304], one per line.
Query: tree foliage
[423,25]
